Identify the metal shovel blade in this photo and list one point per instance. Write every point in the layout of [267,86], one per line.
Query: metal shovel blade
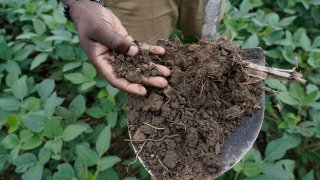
[246,133]
[244,136]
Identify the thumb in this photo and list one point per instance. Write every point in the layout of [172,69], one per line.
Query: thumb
[114,41]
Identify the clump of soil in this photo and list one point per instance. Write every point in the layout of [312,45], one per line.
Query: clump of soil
[179,131]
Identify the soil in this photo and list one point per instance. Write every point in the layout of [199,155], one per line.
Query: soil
[180,131]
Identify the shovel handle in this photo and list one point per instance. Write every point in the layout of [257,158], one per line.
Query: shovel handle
[211,19]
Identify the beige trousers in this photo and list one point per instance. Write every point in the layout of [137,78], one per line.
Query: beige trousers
[150,20]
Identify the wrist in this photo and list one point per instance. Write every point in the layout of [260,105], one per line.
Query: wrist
[68,4]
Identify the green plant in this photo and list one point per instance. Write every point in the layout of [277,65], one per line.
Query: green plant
[53,106]
[60,120]
[288,146]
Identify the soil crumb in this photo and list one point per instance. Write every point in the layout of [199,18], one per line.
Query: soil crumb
[182,128]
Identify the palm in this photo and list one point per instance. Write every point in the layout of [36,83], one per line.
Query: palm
[99,32]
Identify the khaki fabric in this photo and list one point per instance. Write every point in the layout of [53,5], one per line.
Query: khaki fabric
[150,20]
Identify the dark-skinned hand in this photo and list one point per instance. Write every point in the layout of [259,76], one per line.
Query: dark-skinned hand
[100,31]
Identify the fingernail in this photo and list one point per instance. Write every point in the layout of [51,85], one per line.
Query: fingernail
[142,90]
[160,50]
[133,50]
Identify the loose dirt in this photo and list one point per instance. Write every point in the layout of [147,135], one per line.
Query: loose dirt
[180,131]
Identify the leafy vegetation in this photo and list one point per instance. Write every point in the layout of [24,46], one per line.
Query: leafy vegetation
[60,120]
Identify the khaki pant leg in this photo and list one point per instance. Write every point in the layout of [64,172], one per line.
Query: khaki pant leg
[146,20]
[191,16]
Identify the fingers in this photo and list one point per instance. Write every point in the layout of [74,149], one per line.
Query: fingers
[128,87]
[158,81]
[114,41]
[165,72]
[153,49]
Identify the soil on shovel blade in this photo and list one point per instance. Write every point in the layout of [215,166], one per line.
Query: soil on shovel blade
[180,131]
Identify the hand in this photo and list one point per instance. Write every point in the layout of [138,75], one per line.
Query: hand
[99,31]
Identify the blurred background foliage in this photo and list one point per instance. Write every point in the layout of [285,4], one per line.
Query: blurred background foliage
[59,119]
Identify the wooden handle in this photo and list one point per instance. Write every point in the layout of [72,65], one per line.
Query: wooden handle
[211,19]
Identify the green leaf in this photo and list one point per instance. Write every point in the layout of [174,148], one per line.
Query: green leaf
[23,53]
[296,91]
[273,38]
[130,178]
[40,58]
[55,146]
[32,142]
[87,155]
[65,172]
[276,171]
[5,51]
[107,162]
[107,104]
[65,52]
[78,105]
[109,174]
[316,42]
[39,26]
[251,42]
[9,104]
[89,71]
[26,35]
[45,88]
[305,42]
[310,98]
[112,118]
[20,88]
[112,91]
[44,155]
[313,60]
[276,84]
[103,141]
[73,131]
[272,18]
[287,21]
[309,176]
[32,104]
[80,168]
[76,78]
[34,173]
[13,122]
[252,169]
[24,162]
[87,85]
[53,129]
[71,66]
[34,122]
[286,98]
[11,78]
[276,149]
[10,141]
[51,103]
[96,112]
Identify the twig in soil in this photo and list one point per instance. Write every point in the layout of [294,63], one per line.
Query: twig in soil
[251,82]
[135,160]
[276,73]
[165,167]
[181,124]
[153,126]
[153,140]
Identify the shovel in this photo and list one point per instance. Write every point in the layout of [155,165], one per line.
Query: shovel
[246,133]
[243,137]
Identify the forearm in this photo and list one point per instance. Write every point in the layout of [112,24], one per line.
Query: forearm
[68,2]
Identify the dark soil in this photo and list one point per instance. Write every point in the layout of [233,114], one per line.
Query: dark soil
[180,131]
